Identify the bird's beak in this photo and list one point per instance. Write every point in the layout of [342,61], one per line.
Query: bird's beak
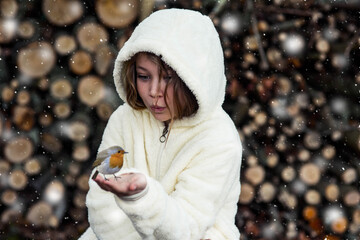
[126,152]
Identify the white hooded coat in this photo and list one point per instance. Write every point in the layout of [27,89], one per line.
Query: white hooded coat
[193,181]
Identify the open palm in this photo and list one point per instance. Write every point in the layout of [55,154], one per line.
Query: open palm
[126,184]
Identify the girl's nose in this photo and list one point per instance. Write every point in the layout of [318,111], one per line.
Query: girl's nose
[155,88]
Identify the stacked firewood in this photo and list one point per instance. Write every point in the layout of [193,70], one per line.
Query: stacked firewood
[56,60]
[293,92]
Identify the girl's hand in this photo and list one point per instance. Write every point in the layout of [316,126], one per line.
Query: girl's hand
[126,184]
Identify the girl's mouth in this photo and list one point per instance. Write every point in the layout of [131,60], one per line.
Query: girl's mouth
[157,109]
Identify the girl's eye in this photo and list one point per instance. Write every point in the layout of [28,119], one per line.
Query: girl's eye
[143,77]
[167,78]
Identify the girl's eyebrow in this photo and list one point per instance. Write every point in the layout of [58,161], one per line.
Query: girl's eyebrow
[141,68]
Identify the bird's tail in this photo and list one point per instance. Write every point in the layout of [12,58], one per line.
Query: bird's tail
[95,174]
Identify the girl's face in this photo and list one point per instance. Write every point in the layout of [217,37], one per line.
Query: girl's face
[151,88]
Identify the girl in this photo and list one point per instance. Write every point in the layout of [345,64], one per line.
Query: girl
[180,179]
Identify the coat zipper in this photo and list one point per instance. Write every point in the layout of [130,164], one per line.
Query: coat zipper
[162,139]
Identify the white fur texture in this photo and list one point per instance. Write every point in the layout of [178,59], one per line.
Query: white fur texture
[193,180]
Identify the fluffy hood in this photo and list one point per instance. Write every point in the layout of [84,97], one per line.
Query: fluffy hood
[189,43]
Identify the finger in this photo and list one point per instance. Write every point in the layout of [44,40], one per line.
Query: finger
[117,186]
[98,178]
[106,188]
[101,182]
[103,185]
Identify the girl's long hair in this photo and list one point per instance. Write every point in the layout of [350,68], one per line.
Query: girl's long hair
[185,103]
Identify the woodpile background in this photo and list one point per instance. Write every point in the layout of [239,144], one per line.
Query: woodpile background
[293,91]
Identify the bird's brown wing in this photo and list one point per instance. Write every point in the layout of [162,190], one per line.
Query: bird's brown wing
[103,154]
[100,157]
[97,162]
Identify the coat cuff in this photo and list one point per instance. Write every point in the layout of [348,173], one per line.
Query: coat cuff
[149,200]
[136,196]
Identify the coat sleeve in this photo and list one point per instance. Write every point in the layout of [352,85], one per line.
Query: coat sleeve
[200,193]
[97,199]
[113,132]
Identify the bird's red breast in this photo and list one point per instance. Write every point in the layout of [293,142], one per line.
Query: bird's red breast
[116,160]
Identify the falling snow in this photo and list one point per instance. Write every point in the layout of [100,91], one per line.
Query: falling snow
[293,92]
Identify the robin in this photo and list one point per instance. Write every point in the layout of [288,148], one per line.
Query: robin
[109,161]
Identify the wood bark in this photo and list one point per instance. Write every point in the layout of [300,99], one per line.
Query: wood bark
[18,180]
[118,13]
[9,8]
[40,214]
[62,12]
[61,88]
[104,57]
[37,59]
[27,29]
[91,90]
[65,44]
[9,197]
[80,62]
[90,35]
[18,149]
[34,165]
[23,117]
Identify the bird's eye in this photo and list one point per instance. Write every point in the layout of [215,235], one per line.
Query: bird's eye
[119,151]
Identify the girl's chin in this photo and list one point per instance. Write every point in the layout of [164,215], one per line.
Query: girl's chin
[161,117]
